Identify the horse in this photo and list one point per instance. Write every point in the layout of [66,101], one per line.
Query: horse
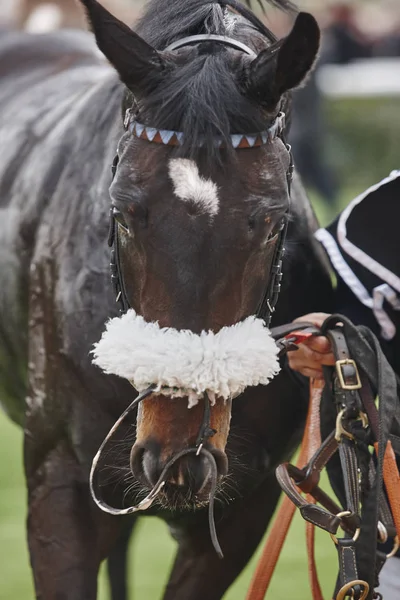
[194,100]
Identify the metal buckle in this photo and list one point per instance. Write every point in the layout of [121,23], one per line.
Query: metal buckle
[340,430]
[395,547]
[383,534]
[340,364]
[348,586]
[345,513]
[281,120]
[128,117]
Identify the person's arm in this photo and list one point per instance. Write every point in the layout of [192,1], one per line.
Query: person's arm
[313,353]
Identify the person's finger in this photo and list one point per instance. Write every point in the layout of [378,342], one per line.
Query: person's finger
[319,344]
[308,357]
[300,365]
[316,318]
[312,373]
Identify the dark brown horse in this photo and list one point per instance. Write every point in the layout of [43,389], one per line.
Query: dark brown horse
[200,197]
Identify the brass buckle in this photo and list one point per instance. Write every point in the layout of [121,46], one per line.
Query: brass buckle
[348,586]
[348,386]
[382,533]
[395,547]
[340,430]
[345,513]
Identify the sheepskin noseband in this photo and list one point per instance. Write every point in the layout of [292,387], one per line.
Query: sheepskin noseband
[182,363]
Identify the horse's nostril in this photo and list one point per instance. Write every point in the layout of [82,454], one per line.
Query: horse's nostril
[194,472]
[190,471]
[222,462]
[151,467]
[140,459]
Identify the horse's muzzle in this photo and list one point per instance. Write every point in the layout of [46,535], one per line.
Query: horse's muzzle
[189,475]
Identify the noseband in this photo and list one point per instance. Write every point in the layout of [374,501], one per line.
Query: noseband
[268,300]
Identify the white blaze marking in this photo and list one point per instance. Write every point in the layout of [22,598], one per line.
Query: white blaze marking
[189,186]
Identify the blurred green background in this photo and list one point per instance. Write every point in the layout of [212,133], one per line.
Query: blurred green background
[363,147]
[363,141]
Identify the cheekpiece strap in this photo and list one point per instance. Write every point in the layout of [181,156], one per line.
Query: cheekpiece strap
[176,138]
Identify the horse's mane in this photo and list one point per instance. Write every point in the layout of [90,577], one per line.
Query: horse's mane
[203,99]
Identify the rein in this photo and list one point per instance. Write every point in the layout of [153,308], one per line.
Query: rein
[369,516]
[205,432]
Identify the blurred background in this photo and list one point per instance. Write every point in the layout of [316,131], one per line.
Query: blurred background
[345,136]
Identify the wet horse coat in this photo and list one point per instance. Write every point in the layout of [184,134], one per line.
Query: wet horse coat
[60,122]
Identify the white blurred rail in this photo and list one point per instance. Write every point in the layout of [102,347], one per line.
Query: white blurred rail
[363,78]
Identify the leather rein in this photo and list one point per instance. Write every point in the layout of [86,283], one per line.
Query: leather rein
[369,515]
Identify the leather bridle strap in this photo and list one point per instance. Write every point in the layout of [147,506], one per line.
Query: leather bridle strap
[352,397]
[270,295]
[277,129]
[210,37]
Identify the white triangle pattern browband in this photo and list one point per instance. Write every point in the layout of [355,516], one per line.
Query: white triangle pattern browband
[176,138]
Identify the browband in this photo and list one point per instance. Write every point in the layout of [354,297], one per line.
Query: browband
[176,138]
[210,37]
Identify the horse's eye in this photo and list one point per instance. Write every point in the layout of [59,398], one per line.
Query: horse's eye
[119,217]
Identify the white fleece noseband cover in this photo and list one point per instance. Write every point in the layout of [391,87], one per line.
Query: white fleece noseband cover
[182,363]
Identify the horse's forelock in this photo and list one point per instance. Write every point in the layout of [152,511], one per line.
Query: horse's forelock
[205,96]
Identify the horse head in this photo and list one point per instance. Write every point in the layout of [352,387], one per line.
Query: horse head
[199,198]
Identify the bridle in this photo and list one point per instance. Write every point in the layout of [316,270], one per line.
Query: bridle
[267,302]
[239,141]
[270,295]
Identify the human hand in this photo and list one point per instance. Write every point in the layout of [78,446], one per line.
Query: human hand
[314,352]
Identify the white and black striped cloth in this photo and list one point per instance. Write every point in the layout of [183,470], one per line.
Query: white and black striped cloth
[363,245]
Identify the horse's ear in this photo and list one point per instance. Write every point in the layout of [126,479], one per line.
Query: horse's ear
[134,59]
[285,65]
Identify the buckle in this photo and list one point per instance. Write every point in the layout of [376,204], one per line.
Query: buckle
[346,513]
[395,547]
[348,375]
[128,117]
[340,430]
[349,588]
